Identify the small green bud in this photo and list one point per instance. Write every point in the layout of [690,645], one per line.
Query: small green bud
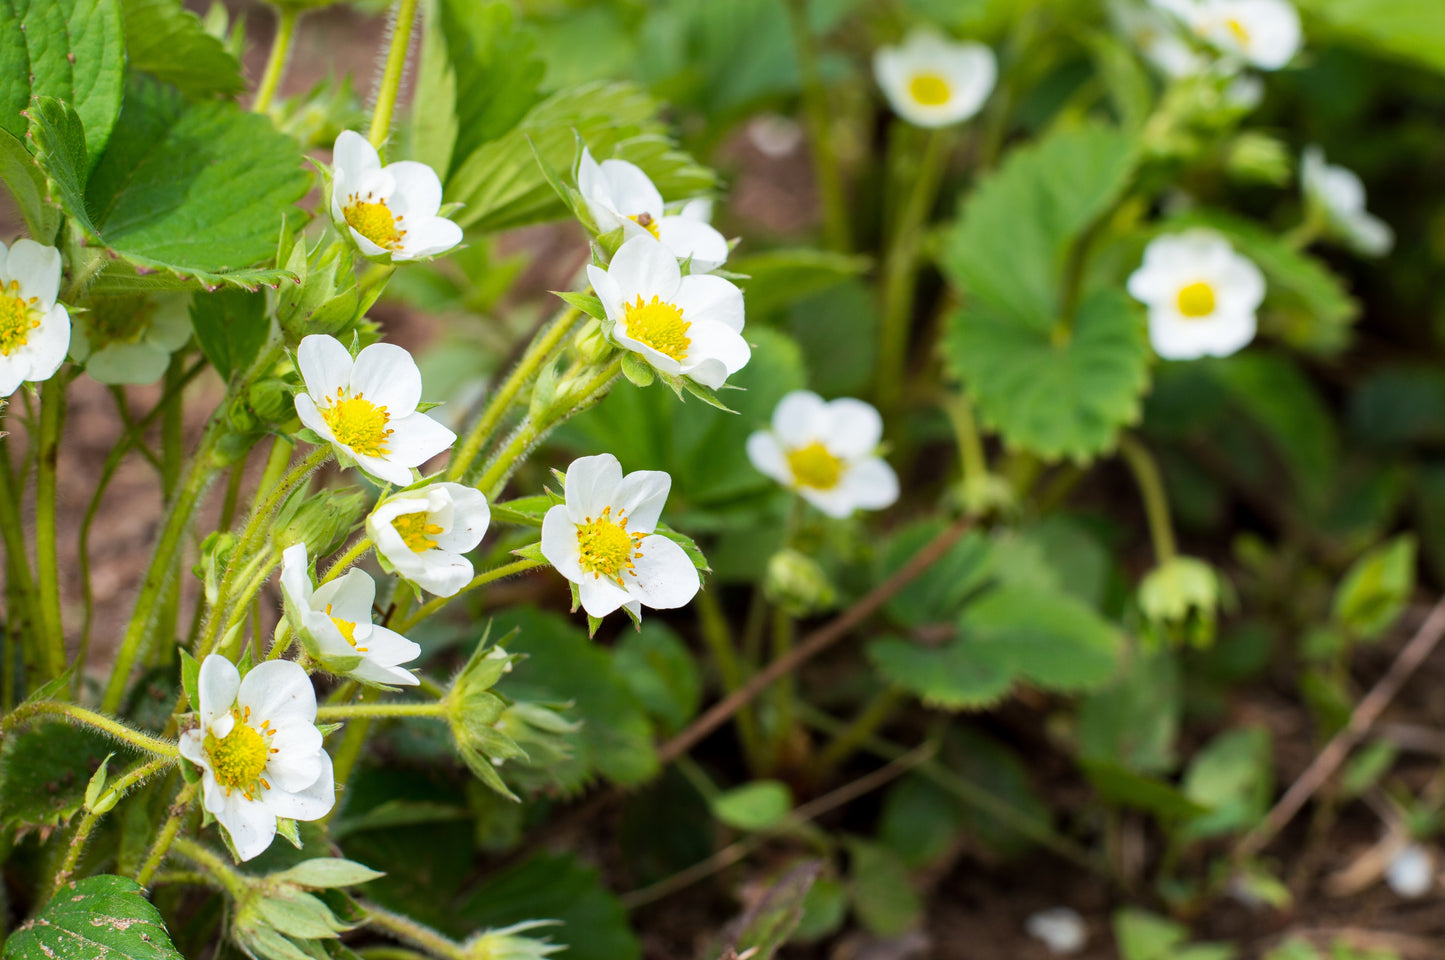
[507,944]
[322,522]
[591,345]
[1259,158]
[97,800]
[796,582]
[1181,598]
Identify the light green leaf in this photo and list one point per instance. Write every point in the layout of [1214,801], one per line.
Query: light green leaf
[1135,721]
[1054,397]
[951,677]
[759,805]
[661,673]
[1052,640]
[73,50]
[99,918]
[1377,587]
[501,185]
[325,872]
[199,190]
[882,897]
[44,769]
[167,41]
[1233,776]
[1412,29]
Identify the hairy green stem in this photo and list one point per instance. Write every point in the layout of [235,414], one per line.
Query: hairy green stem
[480,580]
[47,560]
[358,711]
[120,785]
[405,18]
[1156,501]
[281,45]
[541,349]
[210,861]
[358,550]
[409,931]
[20,624]
[167,836]
[71,713]
[162,566]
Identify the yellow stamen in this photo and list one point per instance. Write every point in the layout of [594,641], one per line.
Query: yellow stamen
[358,423]
[1196,301]
[606,548]
[1237,28]
[238,758]
[374,221]
[18,316]
[347,627]
[814,466]
[415,531]
[929,89]
[659,325]
[645,221]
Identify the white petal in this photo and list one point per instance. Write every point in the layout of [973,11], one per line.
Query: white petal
[1371,235]
[716,342]
[250,823]
[369,671]
[768,458]
[644,267]
[869,485]
[389,648]
[312,803]
[591,485]
[641,494]
[854,428]
[368,247]
[127,363]
[658,361]
[442,573]
[217,685]
[631,191]
[311,417]
[349,596]
[600,597]
[192,746]
[417,439]
[559,543]
[383,468]
[48,345]
[834,502]
[427,237]
[709,299]
[469,521]
[326,635]
[594,189]
[294,765]
[12,375]
[386,375]
[279,691]
[664,576]
[686,237]
[36,268]
[325,365]
[799,418]
[354,155]
[1177,338]
[418,189]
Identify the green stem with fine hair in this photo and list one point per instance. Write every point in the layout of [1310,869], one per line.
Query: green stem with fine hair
[1156,501]
[409,931]
[162,565]
[348,559]
[21,590]
[538,352]
[379,711]
[280,53]
[391,76]
[71,713]
[52,422]
[167,836]
[120,785]
[900,264]
[203,857]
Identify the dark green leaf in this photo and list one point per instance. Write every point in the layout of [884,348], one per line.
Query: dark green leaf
[951,677]
[98,918]
[759,805]
[44,769]
[593,924]
[231,328]
[661,673]
[940,591]
[883,899]
[167,41]
[778,278]
[1413,29]
[1117,784]
[27,186]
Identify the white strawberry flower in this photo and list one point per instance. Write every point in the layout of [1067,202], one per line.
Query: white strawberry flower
[1201,294]
[1159,38]
[131,340]
[683,326]
[390,212]
[1339,197]
[423,534]
[34,328]
[366,408]
[620,194]
[334,623]
[1263,33]
[601,539]
[259,751]
[931,81]
[827,453]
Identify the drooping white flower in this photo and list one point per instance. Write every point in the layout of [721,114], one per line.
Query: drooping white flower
[685,326]
[827,452]
[1159,38]
[620,194]
[130,340]
[931,81]
[1061,929]
[1411,872]
[34,328]
[391,211]
[334,623]
[1339,196]
[259,751]
[422,534]
[366,408]
[1263,33]
[1202,295]
[601,539]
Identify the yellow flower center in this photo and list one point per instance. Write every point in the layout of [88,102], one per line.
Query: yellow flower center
[1196,301]
[813,466]
[415,531]
[645,221]
[1238,30]
[358,423]
[239,758]
[18,317]
[606,548]
[659,325]
[929,89]
[347,628]
[374,221]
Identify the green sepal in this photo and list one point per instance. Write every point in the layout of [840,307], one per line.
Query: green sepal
[586,302]
[190,676]
[637,370]
[523,511]
[286,827]
[532,551]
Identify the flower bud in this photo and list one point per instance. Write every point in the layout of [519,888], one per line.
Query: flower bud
[508,944]
[473,712]
[1259,158]
[795,582]
[1180,598]
[322,522]
[591,345]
